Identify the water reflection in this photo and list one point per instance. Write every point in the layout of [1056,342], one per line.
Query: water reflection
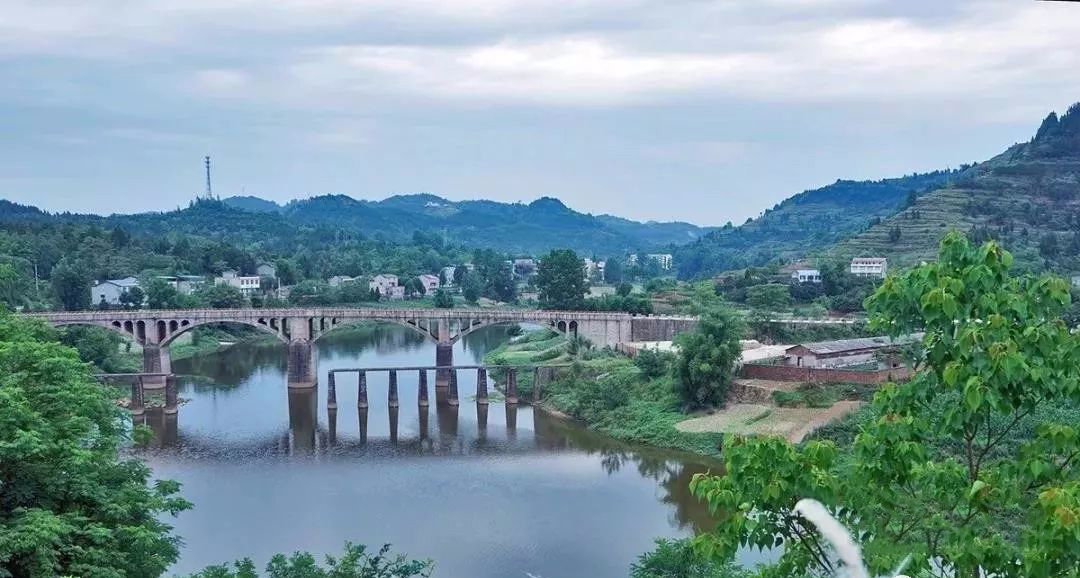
[488,490]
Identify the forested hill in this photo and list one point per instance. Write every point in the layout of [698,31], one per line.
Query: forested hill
[1027,197]
[515,227]
[810,220]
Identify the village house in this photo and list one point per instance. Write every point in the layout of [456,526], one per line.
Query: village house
[870,267]
[387,286]
[110,290]
[338,280]
[662,259]
[806,276]
[845,352]
[430,283]
[247,284]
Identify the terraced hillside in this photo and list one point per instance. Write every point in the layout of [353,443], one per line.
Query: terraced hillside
[1028,197]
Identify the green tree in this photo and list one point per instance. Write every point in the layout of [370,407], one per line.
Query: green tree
[414,287]
[133,298]
[221,296]
[956,469]
[12,286]
[624,289]
[460,272]
[769,297]
[707,357]
[679,559]
[160,294]
[613,270]
[561,280]
[472,288]
[69,506]
[71,284]
[443,299]
[356,562]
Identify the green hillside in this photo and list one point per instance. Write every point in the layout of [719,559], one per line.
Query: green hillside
[1028,198]
[809,220]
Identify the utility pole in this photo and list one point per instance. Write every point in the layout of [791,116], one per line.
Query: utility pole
[209,191]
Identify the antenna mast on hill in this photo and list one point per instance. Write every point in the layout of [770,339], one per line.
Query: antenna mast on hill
[209,191]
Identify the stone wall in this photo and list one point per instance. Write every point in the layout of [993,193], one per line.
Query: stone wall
[659,328]
[823,375]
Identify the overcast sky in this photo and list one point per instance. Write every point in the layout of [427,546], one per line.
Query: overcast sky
[696,110]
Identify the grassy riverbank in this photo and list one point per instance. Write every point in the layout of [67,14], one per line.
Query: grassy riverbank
[606,391]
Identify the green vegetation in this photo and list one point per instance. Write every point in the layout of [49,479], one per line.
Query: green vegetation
[964,471]
[679,559]
[68,504]
[823,394]
[356,562]
[1025,198]
[811,219]
[561,280]
[707,358]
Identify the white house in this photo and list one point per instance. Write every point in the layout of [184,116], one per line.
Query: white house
[448,274]
[110,290]
[430,282]
[247,285]
[524,268]
[806,276]
[870,267]
[385,284]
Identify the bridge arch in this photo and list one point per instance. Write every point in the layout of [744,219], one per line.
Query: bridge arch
[126,329]
[325,325]
[174,328]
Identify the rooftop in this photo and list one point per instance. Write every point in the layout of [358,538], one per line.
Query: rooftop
[860,343]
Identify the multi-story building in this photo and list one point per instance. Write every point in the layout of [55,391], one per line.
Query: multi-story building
[247,284]
[870,267]
[109,291]
[430,283]
[385,284]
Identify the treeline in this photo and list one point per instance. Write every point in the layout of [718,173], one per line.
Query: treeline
[46,262]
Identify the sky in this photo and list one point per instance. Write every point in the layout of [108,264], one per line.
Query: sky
[695,110]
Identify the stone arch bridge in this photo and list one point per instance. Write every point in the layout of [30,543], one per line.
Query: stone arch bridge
[299,328]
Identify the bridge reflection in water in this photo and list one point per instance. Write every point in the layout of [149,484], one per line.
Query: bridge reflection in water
[306,436]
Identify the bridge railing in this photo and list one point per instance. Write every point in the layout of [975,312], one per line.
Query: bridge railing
[347,312]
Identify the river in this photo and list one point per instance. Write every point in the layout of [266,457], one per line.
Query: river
[518,493]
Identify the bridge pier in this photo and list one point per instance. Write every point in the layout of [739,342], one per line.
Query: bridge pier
[156,359]
[444,357]
[481,387]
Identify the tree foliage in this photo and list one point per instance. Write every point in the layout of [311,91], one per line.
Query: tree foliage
[69,506]
[356,562]
[930,476]
[561,280]
[707,357]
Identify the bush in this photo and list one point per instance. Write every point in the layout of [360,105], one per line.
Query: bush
[707,358]
[678,559]
[654,363]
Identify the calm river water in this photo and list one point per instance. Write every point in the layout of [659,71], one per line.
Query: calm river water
[518,493]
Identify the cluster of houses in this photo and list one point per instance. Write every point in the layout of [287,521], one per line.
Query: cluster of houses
[877,267]
[111,291]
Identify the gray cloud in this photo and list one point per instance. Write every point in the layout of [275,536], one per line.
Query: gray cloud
[697,110]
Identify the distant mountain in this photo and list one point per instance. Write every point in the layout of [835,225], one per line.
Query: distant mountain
[543,224]
[1027,197]
[253,204]
[803,223]
[511,227]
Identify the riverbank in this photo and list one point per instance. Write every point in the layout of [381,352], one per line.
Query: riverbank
[605,391]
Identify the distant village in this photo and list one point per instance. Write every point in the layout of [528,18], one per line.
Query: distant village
[385,286]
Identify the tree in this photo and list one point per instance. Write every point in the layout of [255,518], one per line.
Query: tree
[460,272]
[71,285]
[356,562]
[962,470]
[69,506]
[561,280]
[132,298]
[414,287]
[160,294]
[12,286]
[707,357]
[443,299]
[472,288]
[221,296]
[769,297]
[613,271]
[624,289]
